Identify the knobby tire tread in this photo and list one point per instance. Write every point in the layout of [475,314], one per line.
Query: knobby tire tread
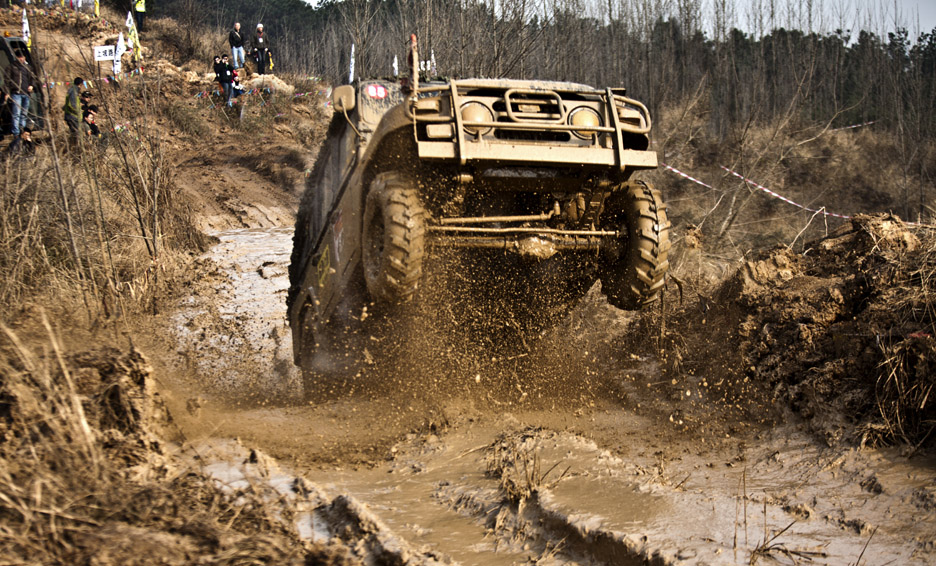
[404,220]
[635,280]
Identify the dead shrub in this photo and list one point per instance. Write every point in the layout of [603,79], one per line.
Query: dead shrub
[94,229]
[515,461]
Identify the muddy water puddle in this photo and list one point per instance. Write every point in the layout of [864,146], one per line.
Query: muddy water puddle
[452,497]
[233,329]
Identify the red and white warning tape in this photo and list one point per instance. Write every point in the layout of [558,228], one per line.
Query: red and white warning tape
[760,187]
[773,194]
[783,198]
[693,179]
[852,126]
[757,186]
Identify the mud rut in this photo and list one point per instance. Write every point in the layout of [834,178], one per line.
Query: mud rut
[587,469]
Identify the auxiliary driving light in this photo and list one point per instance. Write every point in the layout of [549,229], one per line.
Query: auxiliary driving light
[474,113]
[586,117]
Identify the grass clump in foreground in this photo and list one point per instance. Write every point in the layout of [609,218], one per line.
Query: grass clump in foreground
[84,477]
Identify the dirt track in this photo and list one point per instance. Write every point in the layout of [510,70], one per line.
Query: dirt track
[589,458]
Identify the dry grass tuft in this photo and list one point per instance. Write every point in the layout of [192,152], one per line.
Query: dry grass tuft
[904,392]
[515,461]
[84,478]
[93,226]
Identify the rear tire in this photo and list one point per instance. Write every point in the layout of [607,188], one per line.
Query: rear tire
[633,277]
[393,242]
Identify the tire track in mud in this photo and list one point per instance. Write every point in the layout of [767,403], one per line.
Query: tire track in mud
[465,481]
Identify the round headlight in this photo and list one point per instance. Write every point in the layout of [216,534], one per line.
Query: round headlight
[474,113]
[584,116]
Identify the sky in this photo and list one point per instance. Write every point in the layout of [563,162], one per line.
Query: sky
[879,16]
[915,15]
[927,11]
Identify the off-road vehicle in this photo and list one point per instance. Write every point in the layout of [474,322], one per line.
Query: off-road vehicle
[534,177]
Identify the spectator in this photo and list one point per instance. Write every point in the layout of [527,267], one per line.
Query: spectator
[88,125]
[237,46]
[139,10]
[85,101]
[20,81]
[237,88]
[72,106]
[26,147]
[226,78]
[218,68]
[261,51]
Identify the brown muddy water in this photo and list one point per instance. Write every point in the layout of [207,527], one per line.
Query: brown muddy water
[594,478]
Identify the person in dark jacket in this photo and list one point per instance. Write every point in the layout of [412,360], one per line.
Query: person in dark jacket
[226,78]
[85,101]
[261,51]
[89,124]
[19,81]
[237,46]
[218,68]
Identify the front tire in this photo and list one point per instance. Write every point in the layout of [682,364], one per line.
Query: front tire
[393,242]
[634,276]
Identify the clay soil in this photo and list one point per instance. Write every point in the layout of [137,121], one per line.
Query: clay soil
[781,416]
[595,446]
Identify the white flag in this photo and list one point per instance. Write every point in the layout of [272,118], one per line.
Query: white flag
[396,66]
[121,49]
[351,71]
[432,65]
[129,20]
[26,35]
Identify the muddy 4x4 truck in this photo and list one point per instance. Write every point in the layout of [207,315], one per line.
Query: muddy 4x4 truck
[531,179]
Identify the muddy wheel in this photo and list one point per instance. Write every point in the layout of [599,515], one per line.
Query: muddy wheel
[393,242]
[633,276]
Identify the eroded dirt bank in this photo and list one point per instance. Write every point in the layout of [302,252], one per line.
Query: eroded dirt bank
[589,455]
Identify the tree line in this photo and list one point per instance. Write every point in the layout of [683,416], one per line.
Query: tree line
[663,51]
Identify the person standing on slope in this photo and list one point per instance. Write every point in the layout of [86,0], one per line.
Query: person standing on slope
[19,81]
[261,51]
[72,106]
[226,78]
[139,11]
[237,46]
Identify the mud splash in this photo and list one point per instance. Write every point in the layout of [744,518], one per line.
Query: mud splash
[627,471]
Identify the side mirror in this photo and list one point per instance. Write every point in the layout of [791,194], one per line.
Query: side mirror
[343,98]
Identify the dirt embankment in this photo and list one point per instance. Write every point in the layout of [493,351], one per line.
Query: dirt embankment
[89,472]
[842,335]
